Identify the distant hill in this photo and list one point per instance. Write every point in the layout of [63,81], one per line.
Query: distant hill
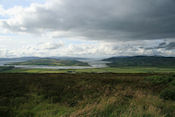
[19,59]
[145,61]
[51,62]
[32,58]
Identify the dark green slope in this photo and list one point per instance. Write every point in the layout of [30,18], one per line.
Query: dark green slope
[145,61]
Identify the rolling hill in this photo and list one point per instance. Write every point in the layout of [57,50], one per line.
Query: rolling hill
[51,62]
[141,61]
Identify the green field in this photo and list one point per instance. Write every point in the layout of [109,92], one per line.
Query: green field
[87,95]
[94,70]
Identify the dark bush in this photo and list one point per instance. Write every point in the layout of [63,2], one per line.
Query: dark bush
[159,79]
[168,93]
[173,83]
[26,113]
[5,111]
[5,68]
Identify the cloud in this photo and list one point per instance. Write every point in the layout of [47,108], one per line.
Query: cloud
[5,53]
[117,28]
[96,49]
[165,45]
[170,46]
[2,11]
[96,19]
[50,45]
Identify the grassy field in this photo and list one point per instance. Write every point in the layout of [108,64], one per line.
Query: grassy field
[87,95]
[94,70]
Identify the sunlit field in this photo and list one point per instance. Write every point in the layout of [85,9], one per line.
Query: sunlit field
[95,70]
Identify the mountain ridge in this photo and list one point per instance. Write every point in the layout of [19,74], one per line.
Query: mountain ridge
[144,61]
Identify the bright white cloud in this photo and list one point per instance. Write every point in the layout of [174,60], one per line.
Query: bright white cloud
[2,11]
[50,45]
[96,49]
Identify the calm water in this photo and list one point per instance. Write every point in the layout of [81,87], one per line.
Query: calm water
[92,63]
[8,61]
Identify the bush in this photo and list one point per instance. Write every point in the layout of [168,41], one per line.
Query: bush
[159,79]
[5,68]
[26,113]
[172,83]
[5,111]
[168,93]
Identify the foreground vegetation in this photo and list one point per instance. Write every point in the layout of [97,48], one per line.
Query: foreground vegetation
[87,95]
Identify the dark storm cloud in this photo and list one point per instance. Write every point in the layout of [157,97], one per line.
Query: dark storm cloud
[170,46]
[164,45]
[100,19]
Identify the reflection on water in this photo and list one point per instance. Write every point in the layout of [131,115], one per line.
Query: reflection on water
[95,63]
[52,67]
[2,63]
[92,63]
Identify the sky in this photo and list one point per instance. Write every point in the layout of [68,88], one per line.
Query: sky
[87,28]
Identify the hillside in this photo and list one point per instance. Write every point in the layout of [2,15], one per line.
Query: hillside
[33,57]
[51,62]
[19,59]
[143,61]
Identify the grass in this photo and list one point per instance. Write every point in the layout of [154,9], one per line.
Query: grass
[95,70]
[87,95]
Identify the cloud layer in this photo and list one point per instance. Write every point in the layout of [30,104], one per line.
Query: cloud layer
[113,28]
[96,19]
[95,50]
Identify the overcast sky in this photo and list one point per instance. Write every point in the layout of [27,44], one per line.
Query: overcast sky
[87,28]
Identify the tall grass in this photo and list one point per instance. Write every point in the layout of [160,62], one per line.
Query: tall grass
[86,95]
